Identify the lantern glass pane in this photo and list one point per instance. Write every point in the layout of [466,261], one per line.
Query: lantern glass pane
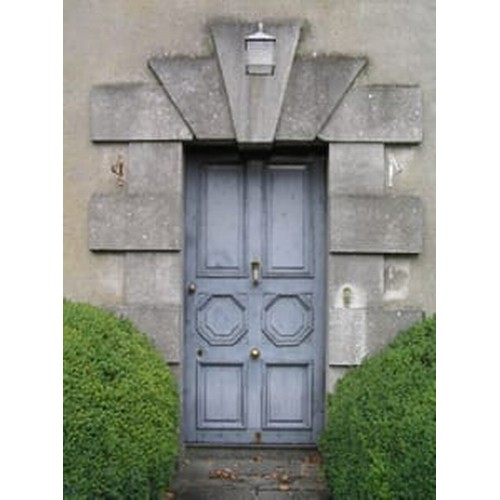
[260,57]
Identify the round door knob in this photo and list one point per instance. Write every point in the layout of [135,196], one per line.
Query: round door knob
[191,288]
[254,353]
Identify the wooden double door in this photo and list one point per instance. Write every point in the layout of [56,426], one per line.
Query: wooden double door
[254,350]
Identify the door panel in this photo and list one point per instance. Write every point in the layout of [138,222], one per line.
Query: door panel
[287,220]
[254,322]
[287,396]
[221,395]
[221,197]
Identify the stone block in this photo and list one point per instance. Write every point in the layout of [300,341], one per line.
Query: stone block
[134,112]
[377,113]
[162,324]
[376,224]
[121,222]
[196,88]
[315,88]
[347,336]
[153,278]
[396,278]
[384,325]
[361,275]
[334,374]
[357,333]
[255,101]
[356,168]
[155,167]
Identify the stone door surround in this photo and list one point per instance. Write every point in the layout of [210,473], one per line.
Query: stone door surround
[210,100]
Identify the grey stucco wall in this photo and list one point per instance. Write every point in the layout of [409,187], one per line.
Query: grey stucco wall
[108,42]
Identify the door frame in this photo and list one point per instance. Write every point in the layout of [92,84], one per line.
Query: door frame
[283,154]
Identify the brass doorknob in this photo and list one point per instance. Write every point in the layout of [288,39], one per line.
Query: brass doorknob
[254,353]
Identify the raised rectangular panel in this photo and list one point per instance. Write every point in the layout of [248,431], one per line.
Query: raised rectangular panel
[222,210]
[221,396]
[287,396]
[287,220]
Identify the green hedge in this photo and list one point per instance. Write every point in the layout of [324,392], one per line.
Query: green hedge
[121,409]
[380,437]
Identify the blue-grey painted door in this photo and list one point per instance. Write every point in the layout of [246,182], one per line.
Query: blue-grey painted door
[254,348]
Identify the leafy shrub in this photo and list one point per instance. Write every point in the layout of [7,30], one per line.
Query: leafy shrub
[380,437]
[121,409]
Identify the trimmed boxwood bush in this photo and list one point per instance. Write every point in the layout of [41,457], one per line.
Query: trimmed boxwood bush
[121,409]
[380,437]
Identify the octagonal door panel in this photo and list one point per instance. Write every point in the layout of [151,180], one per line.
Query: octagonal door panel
[254,350]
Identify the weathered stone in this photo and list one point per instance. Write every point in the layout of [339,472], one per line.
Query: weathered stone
[134,222]
[255,101]
[334,374]
[377,113]
[155,167]
[197,89]
[134,112]
[384,325]
[376,224]
[396,278]
[357,333]
[347,336]
[153,278]
[314,90]
[356,168]
[161,323]
[361,277]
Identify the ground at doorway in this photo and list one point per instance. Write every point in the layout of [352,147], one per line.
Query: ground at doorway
[245,474]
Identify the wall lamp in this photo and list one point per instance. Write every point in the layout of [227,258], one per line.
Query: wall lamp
[260,52]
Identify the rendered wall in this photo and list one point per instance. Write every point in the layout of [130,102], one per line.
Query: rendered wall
[109,42]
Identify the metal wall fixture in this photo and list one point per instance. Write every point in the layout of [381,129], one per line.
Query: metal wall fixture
[260,52]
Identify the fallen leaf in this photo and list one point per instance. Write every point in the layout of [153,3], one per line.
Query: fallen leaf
[226,474]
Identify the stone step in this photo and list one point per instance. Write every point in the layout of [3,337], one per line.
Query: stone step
[241,473]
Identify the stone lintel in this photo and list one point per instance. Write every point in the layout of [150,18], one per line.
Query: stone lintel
[162,324]
[121,222]
[125,112]
[197,89]
[315,88]
[255,101]
[376,224]
[377,113]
